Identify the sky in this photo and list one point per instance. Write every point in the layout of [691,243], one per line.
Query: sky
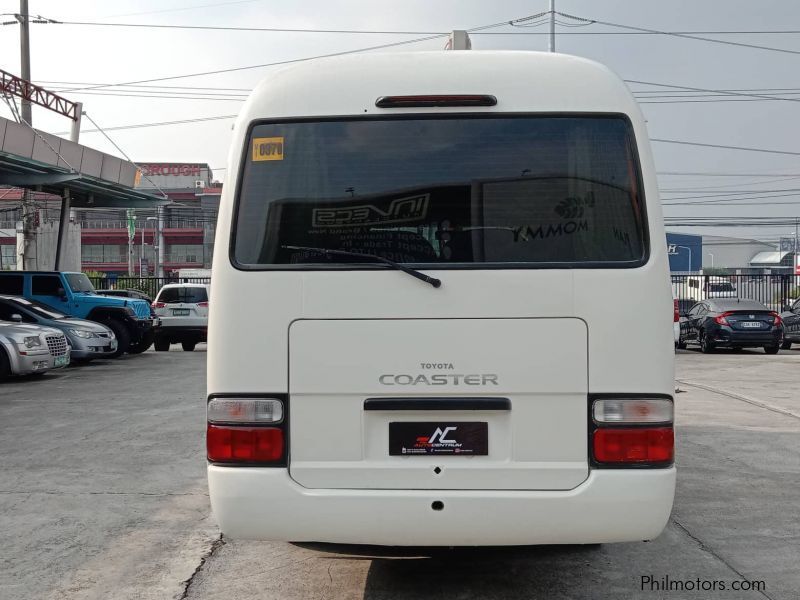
[69,56]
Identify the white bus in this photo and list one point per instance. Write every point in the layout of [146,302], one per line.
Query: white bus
[440,312]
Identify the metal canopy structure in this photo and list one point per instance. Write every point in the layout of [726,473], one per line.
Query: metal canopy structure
[81,176]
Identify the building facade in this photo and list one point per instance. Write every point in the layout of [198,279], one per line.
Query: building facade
[178,235]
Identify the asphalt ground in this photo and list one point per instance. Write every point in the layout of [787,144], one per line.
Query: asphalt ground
[103,495]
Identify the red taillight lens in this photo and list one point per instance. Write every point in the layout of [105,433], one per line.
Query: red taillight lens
[158,305]
[776,319]
[202,304]
[225,443]
[644,445]
[721,320]
[676,316]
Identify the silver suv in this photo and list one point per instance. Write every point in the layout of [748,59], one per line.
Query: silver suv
[27,349]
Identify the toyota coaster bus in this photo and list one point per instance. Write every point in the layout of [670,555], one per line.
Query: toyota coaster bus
[440,312]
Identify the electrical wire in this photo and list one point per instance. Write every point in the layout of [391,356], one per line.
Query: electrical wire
[157,124]
[121,151]
[682,35]
[309,58]
[743,148]
[707,90]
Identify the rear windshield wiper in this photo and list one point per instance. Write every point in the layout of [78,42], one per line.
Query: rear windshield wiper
[329,252]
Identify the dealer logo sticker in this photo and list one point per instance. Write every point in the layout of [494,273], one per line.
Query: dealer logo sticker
[270,148]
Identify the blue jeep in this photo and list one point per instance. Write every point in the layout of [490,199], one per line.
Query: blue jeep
[73,294]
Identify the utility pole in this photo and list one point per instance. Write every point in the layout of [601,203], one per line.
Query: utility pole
[25,55]
[28,211]
[551,45]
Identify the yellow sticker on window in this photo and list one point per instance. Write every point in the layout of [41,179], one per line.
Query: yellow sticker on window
[270,148]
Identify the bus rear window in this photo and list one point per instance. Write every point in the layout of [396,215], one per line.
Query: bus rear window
[463,191]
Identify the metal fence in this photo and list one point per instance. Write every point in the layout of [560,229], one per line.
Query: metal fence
[775,290]
[146,285]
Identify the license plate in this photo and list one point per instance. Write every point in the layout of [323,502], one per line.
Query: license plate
[442,437]
[61,361]
[180,312]
[751,324]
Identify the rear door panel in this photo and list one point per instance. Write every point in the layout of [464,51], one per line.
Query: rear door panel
[540,365]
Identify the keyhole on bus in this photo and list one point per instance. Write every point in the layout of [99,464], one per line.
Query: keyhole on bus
[437,470]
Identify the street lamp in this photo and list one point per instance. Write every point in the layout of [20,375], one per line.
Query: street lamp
[688,249]
[141,250]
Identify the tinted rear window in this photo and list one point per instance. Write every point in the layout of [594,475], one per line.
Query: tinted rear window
[190,295]
[444,191]
[11,284]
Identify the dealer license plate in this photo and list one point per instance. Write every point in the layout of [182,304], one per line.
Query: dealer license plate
[439,437]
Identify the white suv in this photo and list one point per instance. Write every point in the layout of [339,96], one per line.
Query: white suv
[183,310]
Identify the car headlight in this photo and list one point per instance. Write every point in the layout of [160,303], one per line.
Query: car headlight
[32,341]
[83,333]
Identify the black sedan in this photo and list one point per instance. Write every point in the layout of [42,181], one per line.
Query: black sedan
[732,323]
[791,325]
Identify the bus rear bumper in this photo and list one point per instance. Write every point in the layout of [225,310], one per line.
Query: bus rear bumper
[610,506]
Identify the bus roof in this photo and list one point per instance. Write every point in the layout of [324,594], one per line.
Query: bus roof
[521,82]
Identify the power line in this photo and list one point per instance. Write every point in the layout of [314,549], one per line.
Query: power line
[259,29]
[706,90]
[743,148]
[195,7]
[413,32]
[121,151]
[329,55]
[158,87]
[157,124]
[167,97]
[682,35]
[707,174]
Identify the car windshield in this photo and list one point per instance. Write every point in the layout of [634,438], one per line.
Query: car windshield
[39,309]
[78,282]
[527,190]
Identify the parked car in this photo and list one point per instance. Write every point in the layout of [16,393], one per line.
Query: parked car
[126,294]
[31,349]
[183,310]
[702,287]
[87,339]
[732,323]
[791,325]
[73,294]
[676,323]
